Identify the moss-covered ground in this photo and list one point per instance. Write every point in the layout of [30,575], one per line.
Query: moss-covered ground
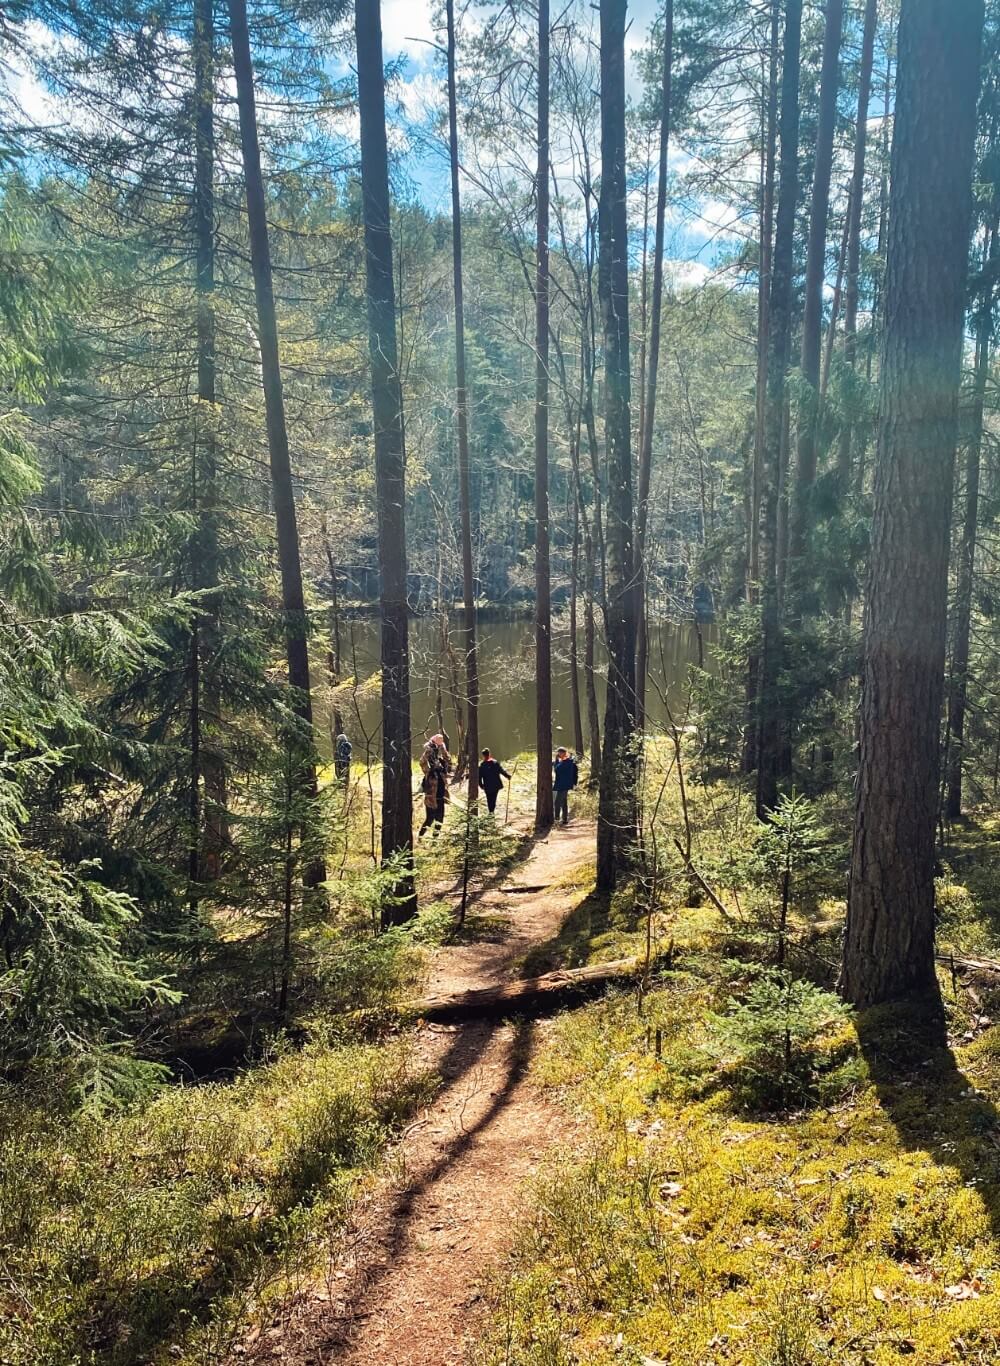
[729,1208]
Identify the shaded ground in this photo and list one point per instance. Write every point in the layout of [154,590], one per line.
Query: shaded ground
[406,1290]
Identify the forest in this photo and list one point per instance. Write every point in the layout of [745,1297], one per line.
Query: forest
[499,629]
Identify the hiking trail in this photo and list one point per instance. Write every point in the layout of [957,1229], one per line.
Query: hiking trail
[406,1286]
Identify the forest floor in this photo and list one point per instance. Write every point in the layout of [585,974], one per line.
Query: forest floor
[406,1284]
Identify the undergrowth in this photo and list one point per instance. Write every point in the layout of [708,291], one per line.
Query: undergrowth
[767,1178]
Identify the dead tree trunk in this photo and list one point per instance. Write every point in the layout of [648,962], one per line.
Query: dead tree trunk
[889,942]
[390,472]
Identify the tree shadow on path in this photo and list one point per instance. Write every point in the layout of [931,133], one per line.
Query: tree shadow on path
[379,1257]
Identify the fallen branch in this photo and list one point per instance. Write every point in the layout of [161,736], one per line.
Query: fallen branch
[969,964]
[553,989]
[693,871]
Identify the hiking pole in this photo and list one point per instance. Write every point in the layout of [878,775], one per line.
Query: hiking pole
[506,805]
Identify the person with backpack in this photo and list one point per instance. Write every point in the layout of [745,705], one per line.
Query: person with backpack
[435,789]
[342,757]
[491,775]
[565,776]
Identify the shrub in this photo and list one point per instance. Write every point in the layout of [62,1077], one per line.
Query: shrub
[778,1039]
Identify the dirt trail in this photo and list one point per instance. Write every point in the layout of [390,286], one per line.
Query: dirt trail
[407,1292]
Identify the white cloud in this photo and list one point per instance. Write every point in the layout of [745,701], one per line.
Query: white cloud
[407,29]
[687,274]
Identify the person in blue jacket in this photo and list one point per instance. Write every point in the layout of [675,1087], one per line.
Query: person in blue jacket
[564,778]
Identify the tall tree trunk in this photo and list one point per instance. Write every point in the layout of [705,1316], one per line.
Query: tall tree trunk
[646,447]
[617,820]
[836,304]
[390,469]
[208,762]
[959,690]
[462,414]
[855,207]
[812,319]
[574,616]
[282,492]
[766,249]
[769,756]
[889,942]
[334,662]
[543,606]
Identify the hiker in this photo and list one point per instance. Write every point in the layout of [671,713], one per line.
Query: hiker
[342,751]
[491,775]
[435,755]
[435,790]
[564,778]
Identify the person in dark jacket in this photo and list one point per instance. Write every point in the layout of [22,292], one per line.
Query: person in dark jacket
[342,757]
[491,775]
[564,778]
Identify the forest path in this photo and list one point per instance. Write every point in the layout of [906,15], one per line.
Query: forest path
[407,1291]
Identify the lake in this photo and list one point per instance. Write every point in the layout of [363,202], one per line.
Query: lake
[507,678]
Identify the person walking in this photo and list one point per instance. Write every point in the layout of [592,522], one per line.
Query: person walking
[491,775]
[342,757]
[436,798]
[565,775]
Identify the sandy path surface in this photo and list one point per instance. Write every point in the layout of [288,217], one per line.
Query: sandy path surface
[407,1290]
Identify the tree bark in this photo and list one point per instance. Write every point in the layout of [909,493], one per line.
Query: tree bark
[462,416]
[209,761]
[769,745]
[543,606]
[812,319]
[766,247]
[617,820]
[855,207]
[574,616]
[653,360]
[282,491]
[889,943]
[390,466]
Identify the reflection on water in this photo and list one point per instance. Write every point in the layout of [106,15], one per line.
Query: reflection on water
[507,679]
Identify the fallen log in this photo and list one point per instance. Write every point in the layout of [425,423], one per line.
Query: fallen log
[550,991]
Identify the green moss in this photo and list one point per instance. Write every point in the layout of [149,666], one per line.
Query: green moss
[864,1230]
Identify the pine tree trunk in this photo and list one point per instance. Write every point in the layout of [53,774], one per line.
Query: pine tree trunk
[617,820]
[282,493]
[208,762]
[812,319]
[855,207]
[959,689]
[543,607]
[770,744]
[574,616]
[462,415]
[334,662]
[649,414]
[390,472]
[766,249]
[889,942]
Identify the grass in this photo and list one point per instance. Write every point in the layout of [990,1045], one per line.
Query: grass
[707,1221]
[159,1235]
